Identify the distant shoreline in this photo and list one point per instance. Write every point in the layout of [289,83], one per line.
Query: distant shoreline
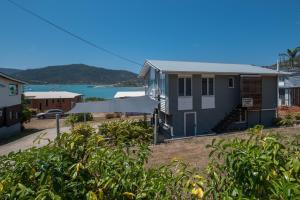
[88,90]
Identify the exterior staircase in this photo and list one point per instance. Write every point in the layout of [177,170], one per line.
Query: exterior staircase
[228,120]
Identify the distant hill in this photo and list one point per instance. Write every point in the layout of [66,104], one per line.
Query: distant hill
[9,71]
[74,74]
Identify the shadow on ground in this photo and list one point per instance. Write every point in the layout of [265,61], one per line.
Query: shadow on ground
[19,136]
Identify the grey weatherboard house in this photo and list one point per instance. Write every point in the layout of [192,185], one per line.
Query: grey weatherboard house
[197,98]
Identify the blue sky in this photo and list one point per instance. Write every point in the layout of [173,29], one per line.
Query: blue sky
[231,31]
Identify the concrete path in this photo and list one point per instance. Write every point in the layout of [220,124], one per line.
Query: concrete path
[27,141]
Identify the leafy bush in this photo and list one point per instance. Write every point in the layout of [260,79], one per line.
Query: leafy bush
[75,118]
[26,113]
[260,167]
[112,115]
[82,166]
[288,120]
[94,99]
[126,131]
[297,116]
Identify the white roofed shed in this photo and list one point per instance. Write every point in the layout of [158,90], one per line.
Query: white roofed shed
[124,94]
[51,95]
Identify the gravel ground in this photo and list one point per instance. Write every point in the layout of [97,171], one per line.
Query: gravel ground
[193,151]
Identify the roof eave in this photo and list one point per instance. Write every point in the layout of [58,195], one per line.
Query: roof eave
[147,65]
[12,79]
[222,73]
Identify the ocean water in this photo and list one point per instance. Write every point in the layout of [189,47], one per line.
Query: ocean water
[107,92]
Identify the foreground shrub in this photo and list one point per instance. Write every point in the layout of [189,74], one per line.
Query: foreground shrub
[127,131]
[112,115]
[288,120]
[72,119]
[81,165]
[259,167]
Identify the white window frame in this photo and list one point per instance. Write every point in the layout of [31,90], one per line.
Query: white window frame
[162,80]
[207,77]
[231,78]
[184,85]
[195,122]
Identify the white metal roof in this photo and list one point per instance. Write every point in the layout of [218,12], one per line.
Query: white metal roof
[142,104]
[51,95]
[123,94]
[203,67]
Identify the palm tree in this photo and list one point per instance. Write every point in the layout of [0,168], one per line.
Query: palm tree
[292,53]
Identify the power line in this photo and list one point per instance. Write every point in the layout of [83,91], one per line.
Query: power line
[72,34]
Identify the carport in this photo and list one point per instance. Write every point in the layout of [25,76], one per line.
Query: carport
[142,104]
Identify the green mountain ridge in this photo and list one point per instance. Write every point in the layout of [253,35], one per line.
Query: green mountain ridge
[74,74]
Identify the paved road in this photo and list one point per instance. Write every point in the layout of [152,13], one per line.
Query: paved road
[27,141]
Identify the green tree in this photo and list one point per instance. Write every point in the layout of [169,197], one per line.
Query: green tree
[292,53]
[26,113]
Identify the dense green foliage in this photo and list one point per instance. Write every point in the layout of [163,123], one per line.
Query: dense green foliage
[94,99]
[81,165]
[259,167]
[72,119]
[127,131]
[26,113]
[288,120]
[74,73]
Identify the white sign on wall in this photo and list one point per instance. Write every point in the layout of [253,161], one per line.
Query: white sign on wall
[247,102]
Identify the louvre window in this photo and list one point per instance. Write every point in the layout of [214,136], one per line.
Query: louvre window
[185,86]
[208,86]
[231,83]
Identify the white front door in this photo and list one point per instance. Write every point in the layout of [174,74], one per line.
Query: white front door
[190,124]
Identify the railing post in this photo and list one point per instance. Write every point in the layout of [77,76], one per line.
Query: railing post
[155,129]
[57,124]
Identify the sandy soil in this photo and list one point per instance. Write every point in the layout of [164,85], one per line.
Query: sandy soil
[193,150]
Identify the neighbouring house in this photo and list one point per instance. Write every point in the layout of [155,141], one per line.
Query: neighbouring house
[125,94]
[289,88]
[10,105]
[43,101]
[197,98]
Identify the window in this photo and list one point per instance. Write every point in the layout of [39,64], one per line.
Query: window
[242,116]
[10,115]
[208,86]
[231,82]
[185,86]
[181,86]
[162,84]
[13,89]
[17,115]
[46,102]
[58,100]
[188,86]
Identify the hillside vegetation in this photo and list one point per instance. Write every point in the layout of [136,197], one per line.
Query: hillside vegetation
[71,74]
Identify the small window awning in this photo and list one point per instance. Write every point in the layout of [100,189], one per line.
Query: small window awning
[143,104]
